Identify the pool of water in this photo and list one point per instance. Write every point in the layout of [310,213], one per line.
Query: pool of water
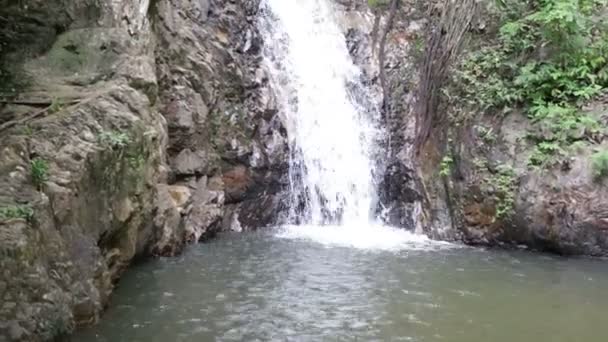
[298,285]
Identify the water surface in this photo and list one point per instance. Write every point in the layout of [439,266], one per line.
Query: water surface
[290,287]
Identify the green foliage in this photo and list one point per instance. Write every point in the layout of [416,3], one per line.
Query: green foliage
[504,183]
[551,53]
[377,3]
[56,105]
[562,122]
[446,166]
[136,160]
[599,162]
[120,167]
[114,139]
[544,153]
[418,45]
[486,134]
[549,57]
[16,211]
[39,171]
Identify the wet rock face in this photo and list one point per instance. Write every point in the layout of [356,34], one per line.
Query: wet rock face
[399,199]
[399,189]
[488,193]
[220,109]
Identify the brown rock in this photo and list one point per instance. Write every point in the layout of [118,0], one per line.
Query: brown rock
[236,182]
[180,195]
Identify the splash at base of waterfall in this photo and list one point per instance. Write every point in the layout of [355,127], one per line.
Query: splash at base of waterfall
[362,236]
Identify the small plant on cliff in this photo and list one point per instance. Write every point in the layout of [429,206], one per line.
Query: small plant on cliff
[505,184]
[599,162]
[56,105]
[544,154]
[39,171]
[27,130]
[446,166]
[377,3]
[16,211]
[114,139]
[486,134]
[136,160]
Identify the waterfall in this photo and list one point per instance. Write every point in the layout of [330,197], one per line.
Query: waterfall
[331,125]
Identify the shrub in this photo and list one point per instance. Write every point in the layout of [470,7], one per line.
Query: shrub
[446,166]
[377,3]
[16,211]
[599,163]
[39,172]
[114,139]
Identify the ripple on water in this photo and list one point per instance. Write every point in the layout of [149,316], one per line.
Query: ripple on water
[261,287]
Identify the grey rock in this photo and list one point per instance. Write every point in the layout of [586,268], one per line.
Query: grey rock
[170,234]
[203,221]
[190,163]
[15,332]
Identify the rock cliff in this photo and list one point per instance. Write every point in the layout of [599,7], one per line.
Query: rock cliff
[475,174]
[127,129]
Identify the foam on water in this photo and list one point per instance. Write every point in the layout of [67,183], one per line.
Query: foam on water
[369,237]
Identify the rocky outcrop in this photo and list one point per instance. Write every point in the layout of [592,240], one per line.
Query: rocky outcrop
[480,166]
[497,198]
[82,152]
[223,127]
[127,129]
[471,180]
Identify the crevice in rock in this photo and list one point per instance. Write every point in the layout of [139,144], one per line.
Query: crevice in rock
[394,5]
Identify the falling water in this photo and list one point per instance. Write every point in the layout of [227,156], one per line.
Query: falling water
[332,125]
[331,130]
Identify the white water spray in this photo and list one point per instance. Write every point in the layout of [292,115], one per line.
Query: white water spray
[330,131]
[331,125]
